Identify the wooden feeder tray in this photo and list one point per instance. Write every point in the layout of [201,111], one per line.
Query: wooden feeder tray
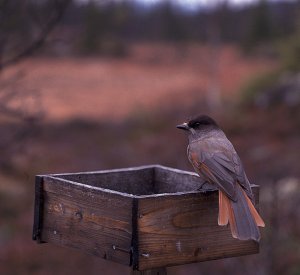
[145,217]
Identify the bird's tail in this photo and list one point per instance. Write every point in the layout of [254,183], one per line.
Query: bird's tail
[241,215]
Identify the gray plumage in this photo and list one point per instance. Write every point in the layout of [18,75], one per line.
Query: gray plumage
[215,159]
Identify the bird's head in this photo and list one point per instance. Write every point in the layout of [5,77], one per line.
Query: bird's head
[198,123]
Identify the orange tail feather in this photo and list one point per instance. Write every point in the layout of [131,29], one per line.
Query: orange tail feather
[259,221]
[223,209]
[241,215]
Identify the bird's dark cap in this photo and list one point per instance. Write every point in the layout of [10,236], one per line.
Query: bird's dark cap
[201,120]
[198,121]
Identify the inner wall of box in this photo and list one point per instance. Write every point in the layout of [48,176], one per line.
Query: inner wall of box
[147,181]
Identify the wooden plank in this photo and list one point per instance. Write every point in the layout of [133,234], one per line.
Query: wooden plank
[180,229]
[151,217]
[167,180]
[136,181]
[96,222]
[38,209]
[156,271]
[135,240]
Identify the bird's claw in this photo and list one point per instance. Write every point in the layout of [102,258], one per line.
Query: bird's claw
[206,190]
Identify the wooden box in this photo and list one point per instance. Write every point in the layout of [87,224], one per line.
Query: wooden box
[144,217]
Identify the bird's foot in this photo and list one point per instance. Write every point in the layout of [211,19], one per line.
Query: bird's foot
[206,188]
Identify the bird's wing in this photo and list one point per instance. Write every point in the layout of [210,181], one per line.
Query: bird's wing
[219,163]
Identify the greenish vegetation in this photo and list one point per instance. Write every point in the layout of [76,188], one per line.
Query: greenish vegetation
[288,52]
[258,85]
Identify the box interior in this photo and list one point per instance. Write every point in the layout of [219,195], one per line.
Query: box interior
[140,181]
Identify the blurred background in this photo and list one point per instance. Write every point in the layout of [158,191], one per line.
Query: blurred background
[92,85]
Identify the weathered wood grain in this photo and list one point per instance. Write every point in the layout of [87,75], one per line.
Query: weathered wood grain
[145,217]
[156,271]
[38,209]
[183,229]
[173,181]
[87,219]
[136,181]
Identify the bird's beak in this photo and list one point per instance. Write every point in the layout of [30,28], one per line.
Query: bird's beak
[183,126]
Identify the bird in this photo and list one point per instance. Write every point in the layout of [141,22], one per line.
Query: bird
[216,161]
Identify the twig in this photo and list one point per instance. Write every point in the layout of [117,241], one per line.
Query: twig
[35,45]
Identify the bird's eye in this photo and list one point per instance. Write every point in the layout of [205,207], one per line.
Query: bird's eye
[196,124]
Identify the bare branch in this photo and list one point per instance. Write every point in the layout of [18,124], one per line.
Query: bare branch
[35,45]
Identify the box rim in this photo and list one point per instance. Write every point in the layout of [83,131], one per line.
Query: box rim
[105,190]
[128,195]
[134,168]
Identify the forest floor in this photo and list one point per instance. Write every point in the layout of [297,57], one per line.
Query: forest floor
[102,113]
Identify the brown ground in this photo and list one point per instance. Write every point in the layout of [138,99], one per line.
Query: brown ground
[143,93]
[151,77]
